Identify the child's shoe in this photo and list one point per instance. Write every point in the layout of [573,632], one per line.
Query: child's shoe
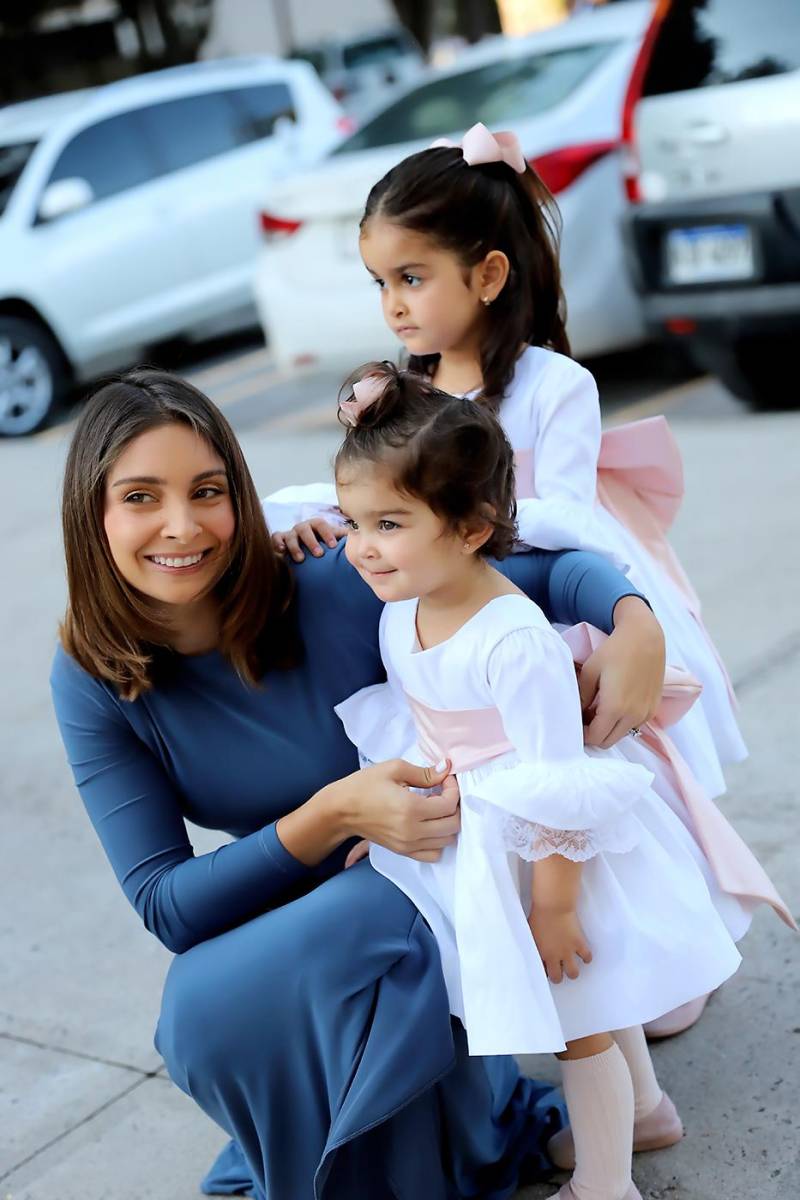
[566,1193]
[677,1021]
[658,1129]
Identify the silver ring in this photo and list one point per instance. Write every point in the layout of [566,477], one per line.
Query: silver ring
[635,731]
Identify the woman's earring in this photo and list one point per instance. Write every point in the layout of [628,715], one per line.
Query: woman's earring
[467,547]
[485,300]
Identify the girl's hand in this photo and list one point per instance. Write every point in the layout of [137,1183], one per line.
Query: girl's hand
[560,941]
[378,805]
[359,851]
[622,682]
[310,533]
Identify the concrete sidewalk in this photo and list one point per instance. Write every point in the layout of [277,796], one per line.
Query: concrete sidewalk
[85,1113]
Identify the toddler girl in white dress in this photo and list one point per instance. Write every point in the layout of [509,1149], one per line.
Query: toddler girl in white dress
[575,903]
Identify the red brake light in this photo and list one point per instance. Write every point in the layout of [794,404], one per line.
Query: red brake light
[277,226]
[346,124]
[633,94]
[560,168]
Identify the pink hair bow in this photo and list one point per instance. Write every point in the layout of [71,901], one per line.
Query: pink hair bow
[365,392]
[480,145]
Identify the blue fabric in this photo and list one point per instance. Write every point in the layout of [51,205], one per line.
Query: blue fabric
[305,1011]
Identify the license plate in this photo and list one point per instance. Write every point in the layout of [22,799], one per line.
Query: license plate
[709,254]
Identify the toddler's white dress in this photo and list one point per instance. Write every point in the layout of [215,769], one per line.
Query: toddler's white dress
[614,493]
[500,699]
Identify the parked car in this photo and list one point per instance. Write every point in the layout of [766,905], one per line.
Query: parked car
[128,215]
[713,139]
[360,70]
[561,91]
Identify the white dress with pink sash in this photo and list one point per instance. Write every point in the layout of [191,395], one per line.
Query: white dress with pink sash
[500,699]
[618,493]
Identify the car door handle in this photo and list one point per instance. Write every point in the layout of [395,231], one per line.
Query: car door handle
[706,133]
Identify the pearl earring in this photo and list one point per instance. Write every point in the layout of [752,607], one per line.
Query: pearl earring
[485,300]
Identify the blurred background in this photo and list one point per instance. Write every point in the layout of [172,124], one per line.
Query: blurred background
[180,184]
[173,172]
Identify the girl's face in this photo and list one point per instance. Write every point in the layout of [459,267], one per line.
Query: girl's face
[430,300]
[396,543]
[168,514]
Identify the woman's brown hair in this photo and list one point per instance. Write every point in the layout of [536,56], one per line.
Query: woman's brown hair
[109,627]
[471,210]
[449,452]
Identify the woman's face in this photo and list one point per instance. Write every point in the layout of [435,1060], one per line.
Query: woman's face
[168,514]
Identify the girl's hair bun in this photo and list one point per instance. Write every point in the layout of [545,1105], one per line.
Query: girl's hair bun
[447,450]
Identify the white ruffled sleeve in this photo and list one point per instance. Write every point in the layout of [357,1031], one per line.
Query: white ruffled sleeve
[559,799]
[566,448]
[300,502]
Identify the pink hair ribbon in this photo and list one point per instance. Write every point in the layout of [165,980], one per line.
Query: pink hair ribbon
[480,145]
[365,392]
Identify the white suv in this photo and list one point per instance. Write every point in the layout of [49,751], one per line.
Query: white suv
[712,124]
[129,215]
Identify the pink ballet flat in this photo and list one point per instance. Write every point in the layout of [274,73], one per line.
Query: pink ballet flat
[566,1193]
[676,1021]
[658,1129]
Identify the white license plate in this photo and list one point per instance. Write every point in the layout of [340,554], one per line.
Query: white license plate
[709,254]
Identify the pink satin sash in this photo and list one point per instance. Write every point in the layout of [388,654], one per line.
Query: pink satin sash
[735,866]
[467,736]
[737,869]
[640,482]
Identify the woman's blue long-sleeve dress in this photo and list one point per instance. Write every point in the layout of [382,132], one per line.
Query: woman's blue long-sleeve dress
[305,1010]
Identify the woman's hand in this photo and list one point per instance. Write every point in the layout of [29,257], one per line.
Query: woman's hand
[559,940]
[378,805]
[622,682]
[310,533]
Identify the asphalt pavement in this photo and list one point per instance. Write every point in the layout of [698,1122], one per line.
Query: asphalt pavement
[85,1110]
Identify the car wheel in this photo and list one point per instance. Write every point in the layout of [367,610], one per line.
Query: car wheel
[762,371]
[33,376]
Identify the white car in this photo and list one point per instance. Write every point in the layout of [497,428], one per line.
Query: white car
[128,215]
[561,91]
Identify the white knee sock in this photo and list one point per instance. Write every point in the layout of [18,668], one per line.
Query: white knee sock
[646,1092]
[599,1096]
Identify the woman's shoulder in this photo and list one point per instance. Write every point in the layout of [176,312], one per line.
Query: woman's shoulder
[332,597]
[73,689]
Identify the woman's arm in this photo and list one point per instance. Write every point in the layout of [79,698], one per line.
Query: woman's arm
[184,899]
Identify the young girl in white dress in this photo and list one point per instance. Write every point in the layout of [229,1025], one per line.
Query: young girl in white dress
[462,243]
[574,903]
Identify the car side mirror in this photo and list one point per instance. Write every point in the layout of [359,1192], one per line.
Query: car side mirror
[63,197]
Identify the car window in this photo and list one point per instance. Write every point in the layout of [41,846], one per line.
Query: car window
[259,107]
[191,129]
[706,43]
[373,51]
[316,58]
[12,163]
[110,155]
[495,93]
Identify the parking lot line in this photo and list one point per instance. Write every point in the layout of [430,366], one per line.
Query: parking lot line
[650,406]
[209,376]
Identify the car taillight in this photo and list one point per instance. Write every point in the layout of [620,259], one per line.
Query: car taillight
[345,124]
[633,94]
[274,226]
[560,168]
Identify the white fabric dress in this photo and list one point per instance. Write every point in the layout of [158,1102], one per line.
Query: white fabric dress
[500,699]
[551,415]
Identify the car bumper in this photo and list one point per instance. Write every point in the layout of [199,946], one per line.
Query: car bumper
[767,301]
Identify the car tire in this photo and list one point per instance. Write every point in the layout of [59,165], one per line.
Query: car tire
[34,376]
[762,372]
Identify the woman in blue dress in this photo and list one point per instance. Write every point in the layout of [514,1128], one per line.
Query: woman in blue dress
[305,1010]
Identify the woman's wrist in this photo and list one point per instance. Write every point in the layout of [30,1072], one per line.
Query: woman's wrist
[633,610]
[316,828]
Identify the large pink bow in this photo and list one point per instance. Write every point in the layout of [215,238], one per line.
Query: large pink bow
[365,392]
[480,145]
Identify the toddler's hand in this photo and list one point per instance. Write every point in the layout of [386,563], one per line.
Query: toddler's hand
[359,851]
[310,533]
[560,942]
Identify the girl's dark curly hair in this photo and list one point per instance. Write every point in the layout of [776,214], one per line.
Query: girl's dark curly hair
[471,210]
[449,452]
